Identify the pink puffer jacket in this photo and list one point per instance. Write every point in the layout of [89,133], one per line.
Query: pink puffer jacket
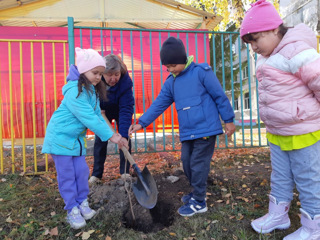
[289,84]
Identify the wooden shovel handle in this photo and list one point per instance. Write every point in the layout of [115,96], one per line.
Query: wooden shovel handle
[124,150]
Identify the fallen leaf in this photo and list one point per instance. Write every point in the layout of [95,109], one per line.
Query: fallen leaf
[9,220]
[240,216]
[172,234]
[227,195]
[256,206]
[78,234]
[85,235]
[54,231]
[53,213]
[46,232]
[264,182]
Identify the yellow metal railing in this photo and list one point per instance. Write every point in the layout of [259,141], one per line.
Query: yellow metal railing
[22,109]
[318,42]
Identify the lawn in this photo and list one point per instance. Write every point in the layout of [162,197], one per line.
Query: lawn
[238,185]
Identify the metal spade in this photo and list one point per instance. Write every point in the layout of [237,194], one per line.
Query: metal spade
[145,188]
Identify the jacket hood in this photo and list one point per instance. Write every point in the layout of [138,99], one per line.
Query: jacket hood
[73,73]
[68,86]
[299,33]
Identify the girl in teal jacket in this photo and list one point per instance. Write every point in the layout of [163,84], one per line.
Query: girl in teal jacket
[65,136]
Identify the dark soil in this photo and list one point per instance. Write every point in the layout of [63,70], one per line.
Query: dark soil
[117,196]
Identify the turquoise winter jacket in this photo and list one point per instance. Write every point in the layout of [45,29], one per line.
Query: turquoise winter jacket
[199,100]
[66,131]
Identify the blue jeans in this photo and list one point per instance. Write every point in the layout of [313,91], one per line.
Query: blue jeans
[72,177]
[300,168]
[196,157]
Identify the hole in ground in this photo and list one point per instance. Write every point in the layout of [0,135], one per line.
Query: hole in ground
[149,220]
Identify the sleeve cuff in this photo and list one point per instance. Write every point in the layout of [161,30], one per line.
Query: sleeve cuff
[229,120]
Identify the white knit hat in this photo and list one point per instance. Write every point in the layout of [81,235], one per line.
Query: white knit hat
[88,59]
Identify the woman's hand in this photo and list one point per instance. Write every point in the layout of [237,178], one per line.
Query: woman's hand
[133,128]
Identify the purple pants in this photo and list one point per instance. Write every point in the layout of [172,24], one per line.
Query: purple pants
[72,176]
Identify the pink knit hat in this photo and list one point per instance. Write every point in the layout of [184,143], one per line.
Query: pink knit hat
[88,59]
[262,16]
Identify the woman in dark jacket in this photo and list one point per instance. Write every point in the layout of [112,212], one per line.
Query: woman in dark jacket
[119,107]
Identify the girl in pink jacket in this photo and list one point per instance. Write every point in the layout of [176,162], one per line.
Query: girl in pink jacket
[288,71]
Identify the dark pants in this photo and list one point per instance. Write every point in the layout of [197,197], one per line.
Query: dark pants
[100,154]
[196,157]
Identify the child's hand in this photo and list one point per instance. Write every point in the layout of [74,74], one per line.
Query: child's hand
[116,138]
[123,143]
[133,128]
[229,128]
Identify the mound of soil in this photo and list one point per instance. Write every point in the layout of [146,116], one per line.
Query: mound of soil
[117,196]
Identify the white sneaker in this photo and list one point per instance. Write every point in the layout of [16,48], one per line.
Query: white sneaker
[94,179]
[86,211]
[75,219]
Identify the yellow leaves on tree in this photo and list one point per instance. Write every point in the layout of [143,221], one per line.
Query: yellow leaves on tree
[232,11]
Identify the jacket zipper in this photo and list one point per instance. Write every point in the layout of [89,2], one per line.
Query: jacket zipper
[80,147]
[174,80]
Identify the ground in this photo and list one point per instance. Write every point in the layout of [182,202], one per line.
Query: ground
[238,185]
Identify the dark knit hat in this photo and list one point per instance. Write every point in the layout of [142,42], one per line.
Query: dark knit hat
[173,52]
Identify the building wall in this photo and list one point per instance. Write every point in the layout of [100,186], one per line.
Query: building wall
[294,12]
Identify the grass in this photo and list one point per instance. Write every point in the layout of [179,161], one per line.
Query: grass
[31,206]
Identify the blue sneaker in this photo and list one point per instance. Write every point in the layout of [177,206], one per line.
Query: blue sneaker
[192,207]
[186,198]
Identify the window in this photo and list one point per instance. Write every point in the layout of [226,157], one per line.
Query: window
[246,101]
[236,104]
[245,72]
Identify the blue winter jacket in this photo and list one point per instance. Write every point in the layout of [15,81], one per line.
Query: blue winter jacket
[120,103]
[199,100]
[66,131]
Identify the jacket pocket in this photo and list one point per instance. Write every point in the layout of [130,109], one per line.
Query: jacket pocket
[307,109]
[65,141]
[190,113]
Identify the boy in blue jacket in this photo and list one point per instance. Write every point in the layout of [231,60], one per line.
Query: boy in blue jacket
[199,100]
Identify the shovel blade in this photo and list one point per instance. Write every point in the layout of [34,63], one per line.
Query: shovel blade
[144,198]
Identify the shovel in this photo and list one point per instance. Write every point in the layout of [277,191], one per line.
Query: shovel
[145,188]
